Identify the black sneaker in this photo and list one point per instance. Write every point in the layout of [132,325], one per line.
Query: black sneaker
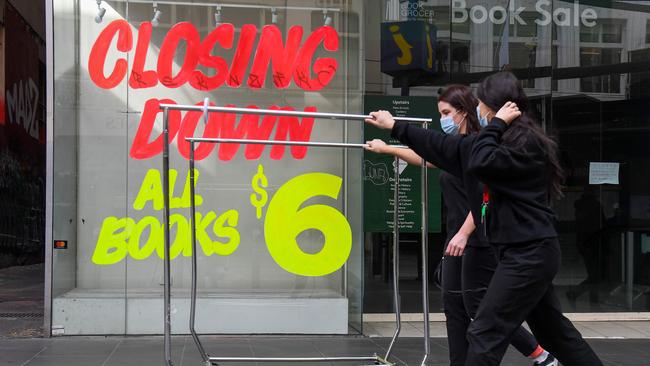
[549,361]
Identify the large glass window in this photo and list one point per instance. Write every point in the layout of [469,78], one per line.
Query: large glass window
[588,83]
[605,31]
[115,64]
[22,170]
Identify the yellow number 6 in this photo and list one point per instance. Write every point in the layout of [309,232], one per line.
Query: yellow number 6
[285,220]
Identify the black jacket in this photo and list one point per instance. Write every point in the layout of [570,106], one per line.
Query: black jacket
[449,153]
[518,181]
[455,199]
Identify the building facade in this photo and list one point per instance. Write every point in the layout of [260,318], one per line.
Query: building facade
[22,166]
[286,240]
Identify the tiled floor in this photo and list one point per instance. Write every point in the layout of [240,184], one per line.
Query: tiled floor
[595,330]
[21,301]
[144,351]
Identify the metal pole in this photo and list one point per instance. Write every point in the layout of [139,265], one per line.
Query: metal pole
[345,21]
[344,287]
[272,112]
[275,142]
[167,277]
[240,6]
[623,257]
[396,298]
[425,258]
[629,278]
[282,142]
[204,355]
[49,168]
[297,359]
[166,261]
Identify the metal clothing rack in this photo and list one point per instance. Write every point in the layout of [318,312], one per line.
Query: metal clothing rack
[206,109]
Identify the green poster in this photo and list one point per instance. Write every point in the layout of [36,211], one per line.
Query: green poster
[379,172]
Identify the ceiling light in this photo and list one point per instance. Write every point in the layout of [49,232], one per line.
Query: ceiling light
[155,21]
[274,16]
[100,12]
[217,16]
[327,20]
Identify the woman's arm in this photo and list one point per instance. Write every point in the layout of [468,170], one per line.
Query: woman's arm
[457,244]
[408,155]
[439,149]
[493,162]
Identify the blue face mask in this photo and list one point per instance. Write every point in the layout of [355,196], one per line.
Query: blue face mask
[481,120]
[449,126]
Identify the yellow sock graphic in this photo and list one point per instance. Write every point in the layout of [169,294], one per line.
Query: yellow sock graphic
[429,49]
[406,58]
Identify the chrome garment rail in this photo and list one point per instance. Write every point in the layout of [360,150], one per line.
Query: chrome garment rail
[206,109]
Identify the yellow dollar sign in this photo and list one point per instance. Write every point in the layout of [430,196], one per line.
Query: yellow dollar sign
[285,220]
[259,182]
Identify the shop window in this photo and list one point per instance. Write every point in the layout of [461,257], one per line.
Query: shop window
[605,31]
[442,56]
[520,54]
[612,32]
[518,29]
[554,57]
[463,27]
[590,34]
[100,153]
[593,56]
[640,81]
[522,45]
[529,29]
[460,57]
[441,17]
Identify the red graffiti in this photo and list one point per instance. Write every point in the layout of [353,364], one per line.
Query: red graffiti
[271,48]
[221,125]
[289,59]
[242,55]
[222,35]
[139,77]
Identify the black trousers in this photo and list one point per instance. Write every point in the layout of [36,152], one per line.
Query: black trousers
[521,290]
[465,280]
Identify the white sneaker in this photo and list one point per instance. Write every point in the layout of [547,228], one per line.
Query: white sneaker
[549,361]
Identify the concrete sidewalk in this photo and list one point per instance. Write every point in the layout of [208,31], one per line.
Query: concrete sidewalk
[141,351]
[21,301]
[589,330]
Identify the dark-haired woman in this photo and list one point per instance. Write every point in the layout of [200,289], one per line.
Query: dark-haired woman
[469,259]
[518,164]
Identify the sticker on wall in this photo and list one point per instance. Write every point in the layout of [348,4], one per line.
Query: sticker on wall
[187,61]
[285,219]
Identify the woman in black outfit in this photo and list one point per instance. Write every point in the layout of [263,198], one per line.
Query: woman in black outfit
[470,261]
[519,166]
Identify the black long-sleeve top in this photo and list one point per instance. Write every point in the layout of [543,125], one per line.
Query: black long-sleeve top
[518,180]
[451,154]
[455,200]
